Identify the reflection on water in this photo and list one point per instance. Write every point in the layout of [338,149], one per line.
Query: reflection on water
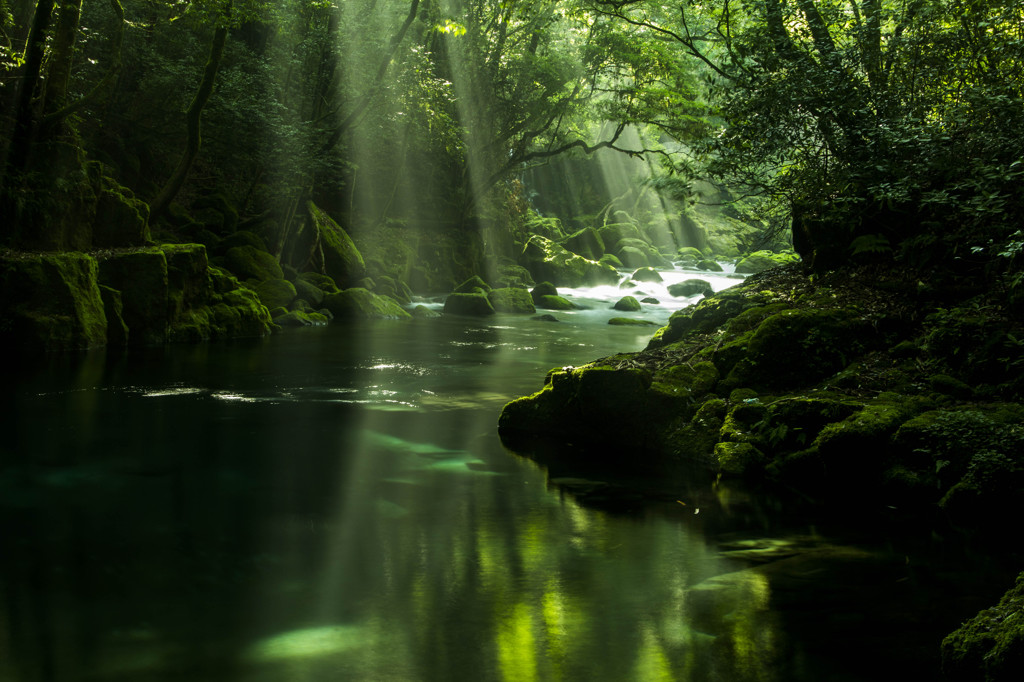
[333,504]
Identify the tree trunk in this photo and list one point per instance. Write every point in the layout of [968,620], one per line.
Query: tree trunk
[192,118]
[24,117]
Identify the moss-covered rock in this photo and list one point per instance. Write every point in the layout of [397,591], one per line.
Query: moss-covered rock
[690,287]
[248,262]
[241,238]
[121,219]
[298,318]
[512,275]
[759,261]
[738,459]
[341,259]
[646,275]
[709,265]
[468,304]
[276,293]
[511,300]
[321,281]
[113,308]
[142,278]
[627,304]
[423,312]
[637,253]
[473,285]
[612,260]
[541,290]
[308,291]
[547,261]
[51,302]
[361,304]
[631,322]
[689,255]
[990,646]
[548,302]
[586,242]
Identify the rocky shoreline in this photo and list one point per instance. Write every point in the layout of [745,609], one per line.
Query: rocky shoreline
[855,385]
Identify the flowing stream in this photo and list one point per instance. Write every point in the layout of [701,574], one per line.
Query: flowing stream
[334,504]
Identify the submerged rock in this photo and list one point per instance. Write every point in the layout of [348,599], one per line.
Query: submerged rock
[631,322]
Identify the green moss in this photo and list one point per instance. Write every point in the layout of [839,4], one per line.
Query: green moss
[342,260]
[627,304]
[547,261]
[690,287]
[738,459]
[990,646]
[611,260]
[586,242]
[320,281]
[472,285]
[51,302]
[308,292]
[762,260]
[649,275]
[630,322]
[275,293]
[511,300]
[709,266]
[248,262]
[555,303]
[361,304]
[142,278]
[468,304]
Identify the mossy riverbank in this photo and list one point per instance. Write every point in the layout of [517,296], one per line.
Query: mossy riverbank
[855,387]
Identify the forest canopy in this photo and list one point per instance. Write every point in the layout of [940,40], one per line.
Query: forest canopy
[884,128]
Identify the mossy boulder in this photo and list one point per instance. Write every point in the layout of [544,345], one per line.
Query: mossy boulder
[646,275]
[637,253]
[276,293]
[299,318]
[689,255]
[511,300]
[342,260]
[423,312]
[142,278]
[511,275]
[759,261]
[361,304]
[241,238]
[990,646]
[631,322]
[627,304]
[690,287]
[547,261]
[473,285]
[709,265]
[308,291]
[541,290]
[612,233]
[549,302]
[388,286]
[738,459]
[51,302]
[800,347]
[612,260]
[475,304]
[113,308]
[321,281]
[121,219]
[248,262]
[586,242]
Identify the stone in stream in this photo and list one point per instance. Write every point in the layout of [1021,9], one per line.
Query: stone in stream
[627,304]
[690,287]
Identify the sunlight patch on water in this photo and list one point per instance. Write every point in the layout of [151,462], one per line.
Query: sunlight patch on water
[309,643]
[173,391]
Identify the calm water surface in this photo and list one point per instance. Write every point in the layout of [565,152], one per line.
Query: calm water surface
[334,504]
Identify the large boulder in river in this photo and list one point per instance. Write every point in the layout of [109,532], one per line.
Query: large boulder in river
[475,303]
[646,275]
[511,300]
[627,304]
[141,277]
[342,260]
[361,304]
[690,287]
[547,261]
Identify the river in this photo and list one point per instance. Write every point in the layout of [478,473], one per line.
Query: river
[334,504]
